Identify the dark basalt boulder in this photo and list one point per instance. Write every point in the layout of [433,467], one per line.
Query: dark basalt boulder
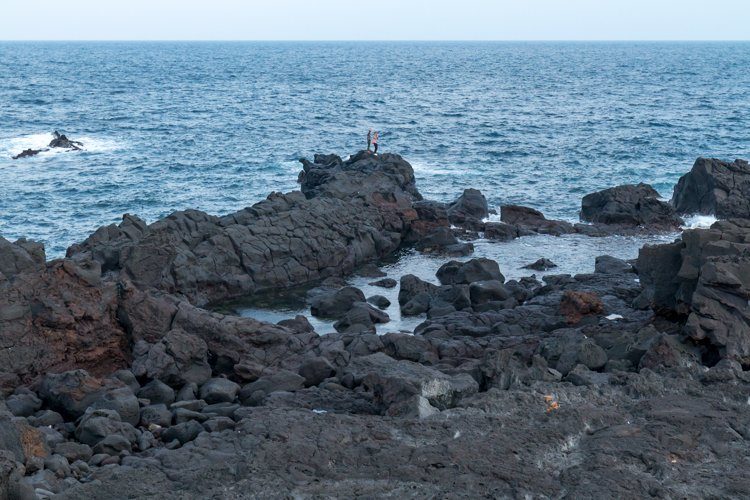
[418,297]
[500,231]
[541,265]
[385,283]
[361,317]
[21,256]
[61,141]
[381,179]
[379,301]
[529,221]
[393,381]
[176,359]
[442,240]
[27,153]
[335,303]
[469,209]
[464,273]
[482,292]
[72,392]
[429,215]
[703,281]
[630,204]
[606,264]
[714,187]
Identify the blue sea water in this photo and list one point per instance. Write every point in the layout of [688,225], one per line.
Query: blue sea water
[217,126]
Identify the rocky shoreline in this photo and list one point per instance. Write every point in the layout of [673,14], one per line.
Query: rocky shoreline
[118,381]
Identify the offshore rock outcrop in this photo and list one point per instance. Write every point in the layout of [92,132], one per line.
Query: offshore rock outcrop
[58,141]
[348,214]
[714,187]
[114,378]
[629,205]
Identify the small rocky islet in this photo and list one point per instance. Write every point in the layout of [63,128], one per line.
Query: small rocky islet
[119,380]
[59,141]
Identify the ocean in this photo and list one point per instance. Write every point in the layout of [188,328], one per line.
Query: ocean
[217,126]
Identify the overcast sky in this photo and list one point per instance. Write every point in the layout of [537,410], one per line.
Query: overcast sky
[375,20]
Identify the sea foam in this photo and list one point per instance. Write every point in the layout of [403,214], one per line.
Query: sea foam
[699,221]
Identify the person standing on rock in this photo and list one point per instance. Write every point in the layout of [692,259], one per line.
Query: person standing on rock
[375,138]
[369,139]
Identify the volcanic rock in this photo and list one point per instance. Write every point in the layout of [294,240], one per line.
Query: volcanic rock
[714,187]
[541,265]
[634,205]
[530,221]
[469,209]
[464,273]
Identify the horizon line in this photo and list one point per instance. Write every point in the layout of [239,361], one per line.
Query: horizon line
[238,40]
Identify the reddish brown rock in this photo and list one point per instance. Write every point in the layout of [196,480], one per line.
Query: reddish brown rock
[574,306]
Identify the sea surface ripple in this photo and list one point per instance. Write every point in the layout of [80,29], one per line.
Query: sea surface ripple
[217,126]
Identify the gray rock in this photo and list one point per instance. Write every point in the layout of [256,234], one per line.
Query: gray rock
[541,265]
[23,405]
[157,392]
[73,451]
[591,355]
[98,424]
[193,405]
[188,392]
[335,303]
[636,205]
[221,409]
[414,407]
[219,390]
[482,292]
[469,209]
[72,392]
[315,370]
[184,432]
[465,273]
[714,187]
[123,401]
[182,415]
[127,378]
[157,414]
[113,444]
[218,424]
[362,317]
[607,264]
[385,283]
[393,381]
[57,464]
[580,375]
[500,231]
[177,359]
[379,301]
[253,394]
[45,418]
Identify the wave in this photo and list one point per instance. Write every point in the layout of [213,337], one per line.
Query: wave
[14,145]
[699,221]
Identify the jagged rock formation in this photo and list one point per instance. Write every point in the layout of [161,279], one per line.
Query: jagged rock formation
[714,187]
[633,205]
[704,279]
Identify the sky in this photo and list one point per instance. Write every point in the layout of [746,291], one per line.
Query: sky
[375,20]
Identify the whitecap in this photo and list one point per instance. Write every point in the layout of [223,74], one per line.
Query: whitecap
[15,145]
[613,317]
[699,221]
